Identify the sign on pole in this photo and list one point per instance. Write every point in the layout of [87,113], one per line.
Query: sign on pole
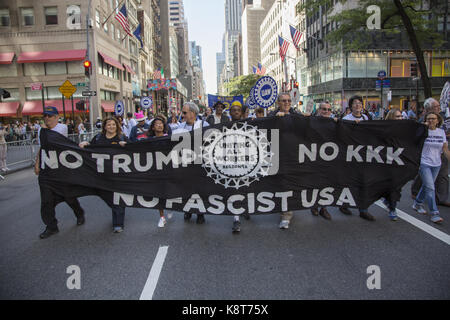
[146,102]
[119,108]
[67,89]
[266,92]
[36,86]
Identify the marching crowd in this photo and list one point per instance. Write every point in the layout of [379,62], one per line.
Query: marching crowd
[430,187]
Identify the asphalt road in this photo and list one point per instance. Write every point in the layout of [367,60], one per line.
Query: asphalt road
[313,259]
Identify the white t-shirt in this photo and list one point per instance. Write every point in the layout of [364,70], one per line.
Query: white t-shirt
[217,119]
[432,148]
[60,128]
[351,117]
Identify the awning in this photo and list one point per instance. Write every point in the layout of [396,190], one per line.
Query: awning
[8,109]
[6,58]
[52,56]
[129,69]
[108,106]
[111,61]
[33,108]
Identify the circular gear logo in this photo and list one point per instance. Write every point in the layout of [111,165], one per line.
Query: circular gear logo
[237,156]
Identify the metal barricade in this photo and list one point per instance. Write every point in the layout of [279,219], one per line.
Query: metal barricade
[21,153]
[77,138]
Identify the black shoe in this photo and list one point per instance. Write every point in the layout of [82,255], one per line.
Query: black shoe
[236,226]
[345,211]
[80,220]
[315,212]
[187,216]
[246,216]
[48,233]
[324,213]
[200,219]
[366,216]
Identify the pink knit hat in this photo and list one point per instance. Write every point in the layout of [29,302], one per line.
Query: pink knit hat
[140,116]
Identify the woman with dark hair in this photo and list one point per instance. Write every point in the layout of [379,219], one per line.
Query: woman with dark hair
[159,128]
[111,134]
[356,105]
[430,164]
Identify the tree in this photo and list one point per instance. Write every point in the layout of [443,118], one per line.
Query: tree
[241,85]
[417,18]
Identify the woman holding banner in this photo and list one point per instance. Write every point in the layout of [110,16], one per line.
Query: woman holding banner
[111,134]
[430,164]
[159,128]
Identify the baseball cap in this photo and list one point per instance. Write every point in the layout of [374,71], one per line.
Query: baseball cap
[236,103]
[50,111]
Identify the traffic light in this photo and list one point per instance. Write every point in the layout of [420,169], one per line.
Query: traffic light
[80,105]
[87,68]
[414,69]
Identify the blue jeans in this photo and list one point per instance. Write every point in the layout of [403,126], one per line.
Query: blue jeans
[118,216]
[427,192]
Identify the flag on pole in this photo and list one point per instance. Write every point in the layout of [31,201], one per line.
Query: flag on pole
[296,37]
[122,17]
[261,69]
[137,34]
[255,71]
[284,46]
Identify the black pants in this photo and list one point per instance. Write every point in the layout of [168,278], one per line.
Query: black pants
[49,200]
[118,216]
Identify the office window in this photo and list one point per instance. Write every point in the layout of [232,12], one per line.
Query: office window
[97,18]
[15,95]
[105,28]
[52,68]
[75,67]
[113,31]
[51,15]
[8,70]
[440,67]
[53,93]
[34,69]
[27,16]
[4,18]
[34,95]
[118,35]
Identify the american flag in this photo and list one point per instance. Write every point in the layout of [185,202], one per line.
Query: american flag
[284,46]
[122,17]
[296,37]
[261,69]
[255,70]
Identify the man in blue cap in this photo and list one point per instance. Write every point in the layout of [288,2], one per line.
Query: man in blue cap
[49,199]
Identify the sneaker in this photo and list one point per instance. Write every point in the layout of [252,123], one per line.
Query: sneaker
[366,216]
[169,216]
[345,211]
[48,233]
[419,208]
[187,216]
[284,224]
[436,218]
[325,214]
[162,222]
[315,212]
[118,229]
[200,219]
[393,215]
[236,226]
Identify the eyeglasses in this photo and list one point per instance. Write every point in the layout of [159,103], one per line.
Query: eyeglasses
[286,100]
[326,109]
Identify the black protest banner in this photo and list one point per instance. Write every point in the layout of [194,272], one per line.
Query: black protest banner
[256,166]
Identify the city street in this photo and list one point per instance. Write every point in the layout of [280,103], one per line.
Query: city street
[313,259]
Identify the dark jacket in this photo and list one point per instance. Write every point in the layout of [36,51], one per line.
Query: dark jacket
[223,119]
[274,113]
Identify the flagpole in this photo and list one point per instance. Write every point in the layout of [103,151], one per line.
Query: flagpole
[121,2]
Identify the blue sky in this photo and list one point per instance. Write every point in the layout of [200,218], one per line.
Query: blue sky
[206,22]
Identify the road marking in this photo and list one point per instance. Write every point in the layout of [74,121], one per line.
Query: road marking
[152,280]
[419,224]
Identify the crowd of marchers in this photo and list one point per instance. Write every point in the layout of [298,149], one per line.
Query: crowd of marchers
[429,189]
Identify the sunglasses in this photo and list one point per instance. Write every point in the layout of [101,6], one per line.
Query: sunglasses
[286,100]
[325,109]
